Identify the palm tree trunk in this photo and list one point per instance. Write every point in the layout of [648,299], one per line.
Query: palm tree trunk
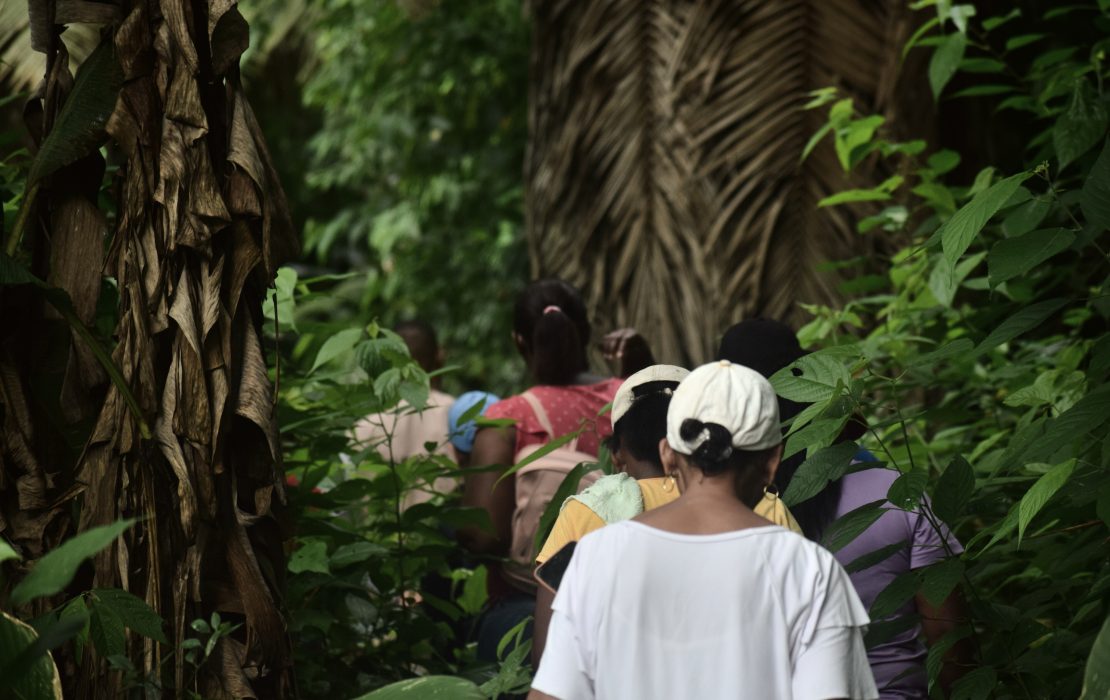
[664,172]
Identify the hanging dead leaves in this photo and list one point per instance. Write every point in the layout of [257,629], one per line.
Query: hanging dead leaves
[177,426]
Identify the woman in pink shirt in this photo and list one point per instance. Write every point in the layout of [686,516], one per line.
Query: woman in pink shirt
[552,333]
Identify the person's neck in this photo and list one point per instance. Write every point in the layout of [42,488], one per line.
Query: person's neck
[708,505]
[643,469]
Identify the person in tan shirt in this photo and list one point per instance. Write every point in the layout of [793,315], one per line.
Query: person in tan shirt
[401,433]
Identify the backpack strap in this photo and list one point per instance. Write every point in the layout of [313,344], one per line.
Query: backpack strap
[541,416]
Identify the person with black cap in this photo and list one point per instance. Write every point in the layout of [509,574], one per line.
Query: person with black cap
[898,661]
[702,598]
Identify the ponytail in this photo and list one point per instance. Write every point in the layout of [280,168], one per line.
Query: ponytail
[550,320]
[556,348]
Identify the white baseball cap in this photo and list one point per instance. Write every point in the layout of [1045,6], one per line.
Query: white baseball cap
[626,395]
[732,396]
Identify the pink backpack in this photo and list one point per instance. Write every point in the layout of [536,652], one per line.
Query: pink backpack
[536,484]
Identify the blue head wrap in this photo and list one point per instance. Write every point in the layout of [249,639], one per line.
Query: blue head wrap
[462,436]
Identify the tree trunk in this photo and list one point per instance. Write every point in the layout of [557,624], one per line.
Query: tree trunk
[200,226]
[664,172]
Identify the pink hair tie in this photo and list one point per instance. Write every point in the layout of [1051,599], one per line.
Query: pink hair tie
[551,309]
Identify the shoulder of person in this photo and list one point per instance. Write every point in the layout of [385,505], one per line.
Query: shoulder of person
[613,498]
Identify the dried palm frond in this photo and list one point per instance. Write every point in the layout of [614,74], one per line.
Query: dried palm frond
[200,226]
[663,172]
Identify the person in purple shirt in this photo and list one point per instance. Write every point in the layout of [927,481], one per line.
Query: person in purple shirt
[898,662]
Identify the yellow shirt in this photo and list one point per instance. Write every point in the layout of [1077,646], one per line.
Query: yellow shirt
[576,520]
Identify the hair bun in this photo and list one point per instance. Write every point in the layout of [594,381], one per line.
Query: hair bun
[713,441]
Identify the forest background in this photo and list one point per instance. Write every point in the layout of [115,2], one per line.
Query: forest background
[975,340]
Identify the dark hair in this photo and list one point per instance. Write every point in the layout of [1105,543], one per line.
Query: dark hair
[767,346]
[554,339]
[421,340]
[716,455]
[645,423]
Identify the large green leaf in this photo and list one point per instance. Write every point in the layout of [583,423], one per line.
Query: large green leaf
[958,232]
[132,611]
[1039,493]
[1096,680]
[953,490]
[36,677]
[851,525]
[896,594]
[342,342]
[1081,126]
[54,571]
[1094,199]
[878,556]
[79,127]
[976,685]
[907,489]
[427,688]
[823,466]
[6,552]
[939,579]
[816,377]
[106,630]
[1016,256]
[1025,319]
[945,60]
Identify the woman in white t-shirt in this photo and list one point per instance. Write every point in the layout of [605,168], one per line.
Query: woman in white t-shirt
[702,598]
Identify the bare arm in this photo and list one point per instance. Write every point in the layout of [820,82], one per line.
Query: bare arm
[544,598]
[482,490]
[937,621]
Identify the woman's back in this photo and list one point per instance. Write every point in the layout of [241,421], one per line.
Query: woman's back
[749,613]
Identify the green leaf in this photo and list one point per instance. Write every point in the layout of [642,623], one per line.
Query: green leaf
[945,60]
[132,611]
[816,377]
[851,525]
[427,688]
[982,90]
[897,593]
[342,342]
[907,489]
[312,555]
[6,552]
[1020,322]
[958,232]
[1023,40]
[816,139]
[355,553]
[823,466]
[945,280]
[474,593]
[957,348]
[1012,257]
[1041,491]
[57,568]
[978,684]
[849,196]
[106,630]
[878,556]
[953,490]
[1102,505]
[939,579]
[1095,196]
[935,660]
[815,436]
[992,23]
[943,161]
[1026,217]
[1081,126]
[25,671]
[79,127]
[547,449]
[1096,679]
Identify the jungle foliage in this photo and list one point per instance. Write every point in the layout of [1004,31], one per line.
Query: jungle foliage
[981,355]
